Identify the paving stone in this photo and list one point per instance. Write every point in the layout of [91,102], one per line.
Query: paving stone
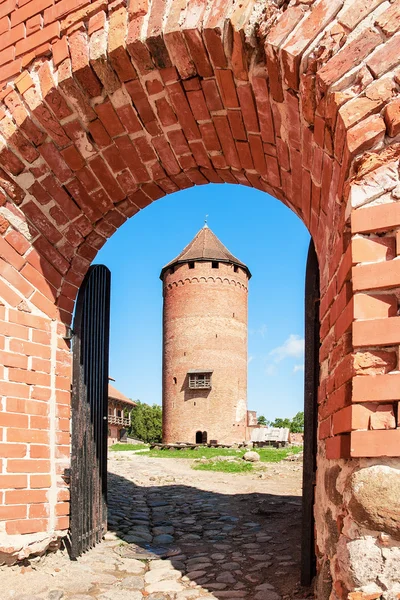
[226,578]
[132,583]
[116,594]
[265,586]
[230,566]
[216,586]
[195,574]
[160,564]
[163,539]
[204,567]
[55,595]
[164,586]
[267,595]
[105,579]
[162,575]
[232,594]
[131,565]
[163,530]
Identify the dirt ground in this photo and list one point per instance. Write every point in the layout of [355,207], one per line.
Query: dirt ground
[197,535]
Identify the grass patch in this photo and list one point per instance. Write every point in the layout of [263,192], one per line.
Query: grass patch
[224,466]
[200,453]
[119,447]
[277,454]
[266,454]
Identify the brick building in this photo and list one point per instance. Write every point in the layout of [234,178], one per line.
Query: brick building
[117,421]
[106,107]
[205,344]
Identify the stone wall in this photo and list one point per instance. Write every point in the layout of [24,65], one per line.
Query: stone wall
[105,109]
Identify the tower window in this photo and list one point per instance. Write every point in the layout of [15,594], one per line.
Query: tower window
[175,380]
[191,265]
[215,264]
[200,380]
[235,268]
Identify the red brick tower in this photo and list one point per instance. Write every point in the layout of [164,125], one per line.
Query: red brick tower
[205,344]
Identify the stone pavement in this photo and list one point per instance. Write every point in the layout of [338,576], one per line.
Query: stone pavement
[216,543]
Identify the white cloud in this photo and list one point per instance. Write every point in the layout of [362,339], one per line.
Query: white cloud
[292,347]
[250,359]
[262,330]
[298,368]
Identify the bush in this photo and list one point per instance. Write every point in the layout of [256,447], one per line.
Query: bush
[146,422]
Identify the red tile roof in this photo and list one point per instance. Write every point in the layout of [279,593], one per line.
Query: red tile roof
[205,246]
[114,394]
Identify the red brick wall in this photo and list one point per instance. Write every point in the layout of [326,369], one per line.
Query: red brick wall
[205,326]
[105,110]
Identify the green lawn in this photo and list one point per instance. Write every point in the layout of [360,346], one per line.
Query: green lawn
[119,447]
[225,466]
[266,454]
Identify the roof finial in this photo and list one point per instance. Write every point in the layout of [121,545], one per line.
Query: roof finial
[205,222]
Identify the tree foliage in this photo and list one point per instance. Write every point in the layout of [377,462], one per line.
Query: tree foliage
[281,423]
[262,421]
[146,422]
[296,425]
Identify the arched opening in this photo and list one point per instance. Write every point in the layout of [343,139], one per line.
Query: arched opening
[124,262]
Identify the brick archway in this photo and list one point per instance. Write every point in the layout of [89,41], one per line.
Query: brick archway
[105,109]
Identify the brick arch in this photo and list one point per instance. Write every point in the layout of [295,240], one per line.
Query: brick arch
[105,109]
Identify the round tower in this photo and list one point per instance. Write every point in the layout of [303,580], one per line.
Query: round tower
[205,344]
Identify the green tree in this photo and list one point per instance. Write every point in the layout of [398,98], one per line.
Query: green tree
[146,422]
[297,423]
[281,423]
[262,421]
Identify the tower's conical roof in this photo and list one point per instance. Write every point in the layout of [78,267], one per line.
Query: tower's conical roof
[205,247]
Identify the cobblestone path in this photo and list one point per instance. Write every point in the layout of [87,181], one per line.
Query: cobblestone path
[221,536]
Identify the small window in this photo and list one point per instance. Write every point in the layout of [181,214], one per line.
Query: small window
[215,264]
[118,413]
[172,270]
[235,268]
[191,265]
[175,380]
[200,381]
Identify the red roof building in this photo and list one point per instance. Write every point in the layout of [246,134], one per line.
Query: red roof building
[117,421]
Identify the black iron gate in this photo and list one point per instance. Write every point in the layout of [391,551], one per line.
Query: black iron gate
[89,411]
[311,380]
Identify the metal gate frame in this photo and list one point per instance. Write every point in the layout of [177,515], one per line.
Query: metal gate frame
[89,402]
[311,381]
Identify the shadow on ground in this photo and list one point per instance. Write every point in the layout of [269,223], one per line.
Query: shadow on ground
[235,546]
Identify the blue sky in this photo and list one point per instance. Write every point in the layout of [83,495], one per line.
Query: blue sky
[262,233]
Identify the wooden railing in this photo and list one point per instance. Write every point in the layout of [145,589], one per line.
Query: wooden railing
[113,420]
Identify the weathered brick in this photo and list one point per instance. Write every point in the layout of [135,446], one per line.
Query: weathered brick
[392,117]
